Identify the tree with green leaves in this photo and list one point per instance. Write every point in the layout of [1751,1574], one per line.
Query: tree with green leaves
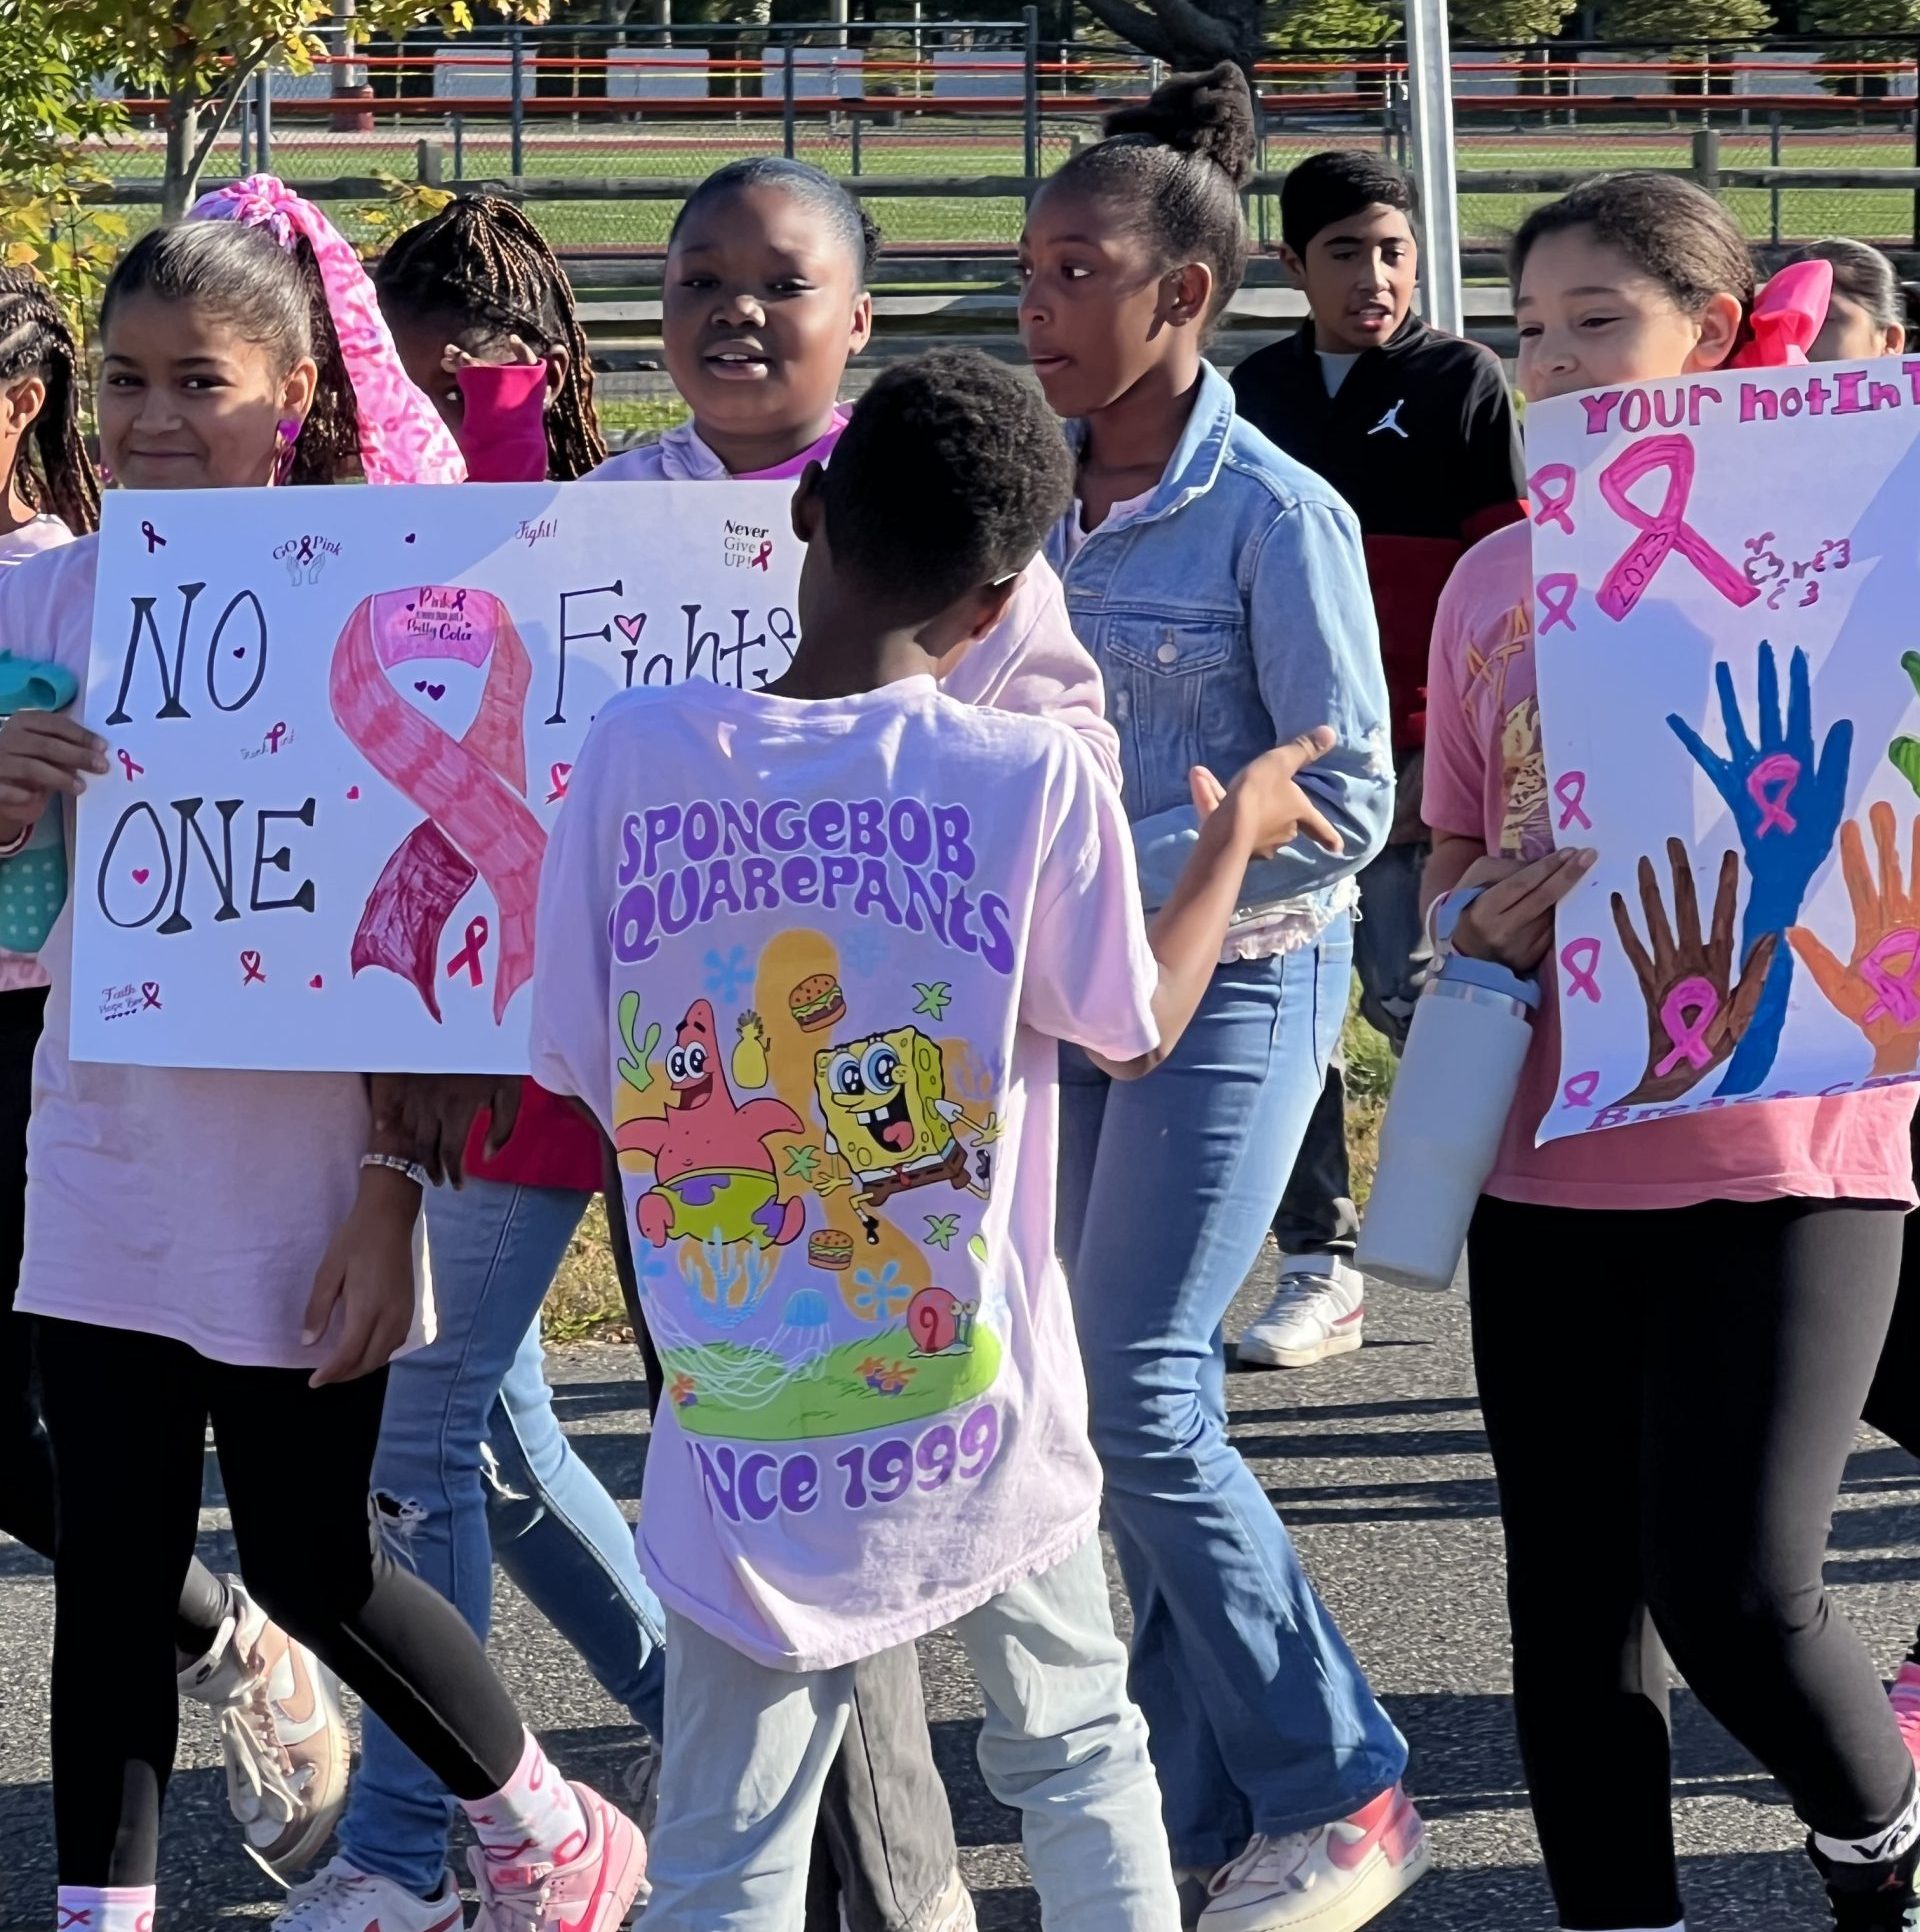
[1507,22]
[199,55]
[1729,20]
[1899,19]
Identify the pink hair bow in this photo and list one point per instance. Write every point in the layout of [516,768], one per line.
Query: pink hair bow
[1787,314]
[402,439]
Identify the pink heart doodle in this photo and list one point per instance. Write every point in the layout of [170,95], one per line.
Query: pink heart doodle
[314,982]
[353,791]
[141,875]
[631,627]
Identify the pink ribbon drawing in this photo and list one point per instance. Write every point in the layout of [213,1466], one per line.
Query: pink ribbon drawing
[250,965]
[155,541]
[472,788]
[765,557]
[1891,970]
[1782,770]
[1556,601]
[469,954]
[557,776]
[1665,531]
[1580,957]
[150,989]
[274,736]
[128,766]
[1553,509]
[1579,1091]
[1687,1012]
[1570,789]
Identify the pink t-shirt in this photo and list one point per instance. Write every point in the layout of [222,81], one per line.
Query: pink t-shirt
[191,1204]
[20,970]
[809,962]
[1486,779]
[1029,662]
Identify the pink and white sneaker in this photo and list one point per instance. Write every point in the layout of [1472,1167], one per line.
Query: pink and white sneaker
[1905,1699]
[592,1892]
[1332,1879]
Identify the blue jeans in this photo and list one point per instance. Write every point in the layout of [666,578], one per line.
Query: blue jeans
[472,1460]
[1259,1716]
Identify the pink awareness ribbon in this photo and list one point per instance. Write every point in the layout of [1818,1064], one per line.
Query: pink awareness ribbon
[1555,506]
[128,764]
[1687,1012]
[472,790]
[150,995]
[1663,532]
[1580,957]
[250,965]
[1891,970]
[1581,1088]
[1570,788]
[402,439]
[1556,601]
[1779,770]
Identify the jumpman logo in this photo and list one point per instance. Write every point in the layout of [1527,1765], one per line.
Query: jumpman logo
[1391,420]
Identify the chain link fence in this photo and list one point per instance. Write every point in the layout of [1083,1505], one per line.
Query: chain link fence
[958,120]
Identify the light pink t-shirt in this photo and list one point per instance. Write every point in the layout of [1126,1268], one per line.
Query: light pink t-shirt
[1029,662]
[20,970]
[189,1204]
[808,963]
[1486,779]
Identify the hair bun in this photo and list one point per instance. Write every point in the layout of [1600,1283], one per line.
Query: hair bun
[1208,114]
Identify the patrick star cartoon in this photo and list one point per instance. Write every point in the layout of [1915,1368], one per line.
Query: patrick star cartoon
[713,1174]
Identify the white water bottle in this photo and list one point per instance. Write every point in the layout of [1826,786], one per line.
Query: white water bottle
[1471,1027]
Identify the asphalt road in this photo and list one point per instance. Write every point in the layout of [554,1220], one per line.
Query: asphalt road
[1379,1466]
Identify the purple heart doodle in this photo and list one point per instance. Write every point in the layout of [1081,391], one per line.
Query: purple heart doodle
[434,691]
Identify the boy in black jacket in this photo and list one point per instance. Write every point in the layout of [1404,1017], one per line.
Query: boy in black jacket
[1416,430]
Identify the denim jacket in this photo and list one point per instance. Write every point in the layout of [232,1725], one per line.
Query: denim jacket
[1229,612]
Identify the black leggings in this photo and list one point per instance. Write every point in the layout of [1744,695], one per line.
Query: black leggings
[128,1417]
[1670,1398]
[26,1464]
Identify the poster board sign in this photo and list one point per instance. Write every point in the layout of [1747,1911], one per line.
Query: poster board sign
[339,724]
[1726,609]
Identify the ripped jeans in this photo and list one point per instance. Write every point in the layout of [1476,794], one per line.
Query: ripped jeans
[473,1464]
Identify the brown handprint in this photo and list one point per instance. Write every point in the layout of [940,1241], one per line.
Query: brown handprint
[1876,990]
[1695,1014]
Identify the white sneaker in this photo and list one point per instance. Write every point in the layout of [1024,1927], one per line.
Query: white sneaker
[1333,1879]
[342,1898]
[281,1732]
[954,1913]
[1320,1310]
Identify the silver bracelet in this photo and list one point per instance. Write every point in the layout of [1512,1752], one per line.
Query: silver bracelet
[399,1164]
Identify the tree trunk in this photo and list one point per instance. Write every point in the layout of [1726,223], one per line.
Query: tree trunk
[182,183]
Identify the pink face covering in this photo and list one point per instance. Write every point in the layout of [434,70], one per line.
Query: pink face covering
[1787,314]
[402,439]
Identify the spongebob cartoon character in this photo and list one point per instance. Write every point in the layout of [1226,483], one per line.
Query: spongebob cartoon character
[884,1101]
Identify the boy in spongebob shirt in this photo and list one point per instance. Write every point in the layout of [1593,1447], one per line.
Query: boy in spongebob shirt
[840,1158]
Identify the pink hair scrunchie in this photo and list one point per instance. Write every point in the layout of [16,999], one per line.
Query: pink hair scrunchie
[1787,314]
[402,439]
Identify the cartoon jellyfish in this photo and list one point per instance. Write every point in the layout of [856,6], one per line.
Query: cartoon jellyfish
[804,1322]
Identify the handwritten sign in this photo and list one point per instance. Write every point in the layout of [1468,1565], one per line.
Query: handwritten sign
[339,725]
[1726,581]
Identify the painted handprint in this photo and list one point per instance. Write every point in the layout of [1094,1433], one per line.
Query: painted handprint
[1696,1015]
[1904,753]
[1877,987]
[1786,808]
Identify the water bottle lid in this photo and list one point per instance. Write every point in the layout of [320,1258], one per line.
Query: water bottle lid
[1459,970]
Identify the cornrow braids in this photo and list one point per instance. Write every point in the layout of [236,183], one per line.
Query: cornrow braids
[480,259]
[51,467]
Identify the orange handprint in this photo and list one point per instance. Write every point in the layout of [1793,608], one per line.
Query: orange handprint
[1879,988]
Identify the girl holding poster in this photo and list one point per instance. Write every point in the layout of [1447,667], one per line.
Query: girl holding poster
[1648,1506]
[238,1247]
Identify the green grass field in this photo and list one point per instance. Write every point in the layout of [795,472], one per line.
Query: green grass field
[933,148]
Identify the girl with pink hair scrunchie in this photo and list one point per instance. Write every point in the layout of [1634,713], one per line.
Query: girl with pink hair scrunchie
[402,439]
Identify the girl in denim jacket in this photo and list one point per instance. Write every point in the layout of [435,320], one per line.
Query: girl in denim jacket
[1222,591]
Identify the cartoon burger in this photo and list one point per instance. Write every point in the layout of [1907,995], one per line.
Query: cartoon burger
[830,1249]
[817,1003]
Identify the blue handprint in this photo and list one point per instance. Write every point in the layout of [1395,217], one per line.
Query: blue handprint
[1787,810]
